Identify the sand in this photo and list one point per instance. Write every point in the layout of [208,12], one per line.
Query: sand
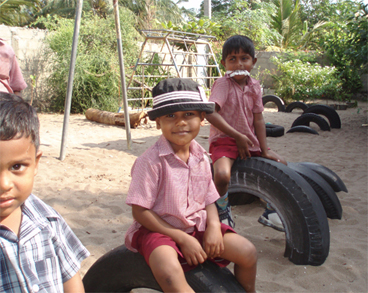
[89,189]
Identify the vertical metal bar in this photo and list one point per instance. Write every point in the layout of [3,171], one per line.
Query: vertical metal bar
[135,67]
[122,74]
[214,59]
[69,91]
[172,57]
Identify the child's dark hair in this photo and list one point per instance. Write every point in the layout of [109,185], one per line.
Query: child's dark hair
[237,42]
[18,119]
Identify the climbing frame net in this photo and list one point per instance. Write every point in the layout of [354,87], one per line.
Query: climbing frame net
[167,54]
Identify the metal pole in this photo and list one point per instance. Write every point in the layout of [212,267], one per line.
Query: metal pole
[68,100]
[122,74]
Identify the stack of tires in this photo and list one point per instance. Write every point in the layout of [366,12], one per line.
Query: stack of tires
[304,196]
[313,114]
[273,130]
[302,123]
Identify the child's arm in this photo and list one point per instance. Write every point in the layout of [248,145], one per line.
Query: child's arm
[213,241]
[242,141]
[74,285]
[19,94]
[260,130]
[190,247]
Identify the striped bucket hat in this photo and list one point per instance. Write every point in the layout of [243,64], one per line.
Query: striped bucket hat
[176,94]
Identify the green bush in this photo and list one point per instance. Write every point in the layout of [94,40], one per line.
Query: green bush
[345,43]
[97,72]
[302,81]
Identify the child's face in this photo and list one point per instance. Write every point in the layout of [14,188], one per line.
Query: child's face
[180,128]
[239,61]
[18,166]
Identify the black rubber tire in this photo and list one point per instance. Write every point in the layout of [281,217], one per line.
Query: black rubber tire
[305,119]
[326,194]
[302,128]
[296,105]
[121,270]
[273,130]
[330,176]
[327,111]
[295,201]
[275,99]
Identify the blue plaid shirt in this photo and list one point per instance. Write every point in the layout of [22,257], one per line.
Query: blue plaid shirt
[46,255]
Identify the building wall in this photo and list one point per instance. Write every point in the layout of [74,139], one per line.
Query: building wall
[28,47]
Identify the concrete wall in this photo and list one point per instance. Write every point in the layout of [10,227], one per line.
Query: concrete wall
[28,47]
[263,70]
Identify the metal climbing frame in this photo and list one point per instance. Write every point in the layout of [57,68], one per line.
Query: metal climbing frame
[178,54]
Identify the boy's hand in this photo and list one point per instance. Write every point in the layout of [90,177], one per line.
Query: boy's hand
[213,241]
[192,251]
[273,156]
[270,156]
[243,143]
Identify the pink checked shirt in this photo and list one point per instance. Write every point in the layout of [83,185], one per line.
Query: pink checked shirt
[175,191]
[237,107]
[11,78]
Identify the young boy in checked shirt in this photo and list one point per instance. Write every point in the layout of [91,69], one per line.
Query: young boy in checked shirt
[39,252]
[176,224]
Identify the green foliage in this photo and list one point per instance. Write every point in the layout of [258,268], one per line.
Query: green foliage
[202,26]
[314,11]
[97,74]
[151,12]
[253,21]
[346,45]
[298,80]
[151,73]
[16,12]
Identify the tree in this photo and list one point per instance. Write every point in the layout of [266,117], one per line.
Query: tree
[16,12]
[314,11]
[96,81]
[287,22]
[66,8]
[253,20]
[148,11]
[346,45]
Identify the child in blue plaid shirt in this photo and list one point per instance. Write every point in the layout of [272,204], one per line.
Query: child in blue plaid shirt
[39,252]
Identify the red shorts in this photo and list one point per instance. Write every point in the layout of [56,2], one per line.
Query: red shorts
[146,241]
[226,147]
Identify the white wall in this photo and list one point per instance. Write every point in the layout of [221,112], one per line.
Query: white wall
[27,44]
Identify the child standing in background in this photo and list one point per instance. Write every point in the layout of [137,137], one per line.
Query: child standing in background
[237,125]
[11,78]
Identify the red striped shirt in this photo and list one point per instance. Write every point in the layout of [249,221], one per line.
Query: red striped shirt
[176,191]
[237,107]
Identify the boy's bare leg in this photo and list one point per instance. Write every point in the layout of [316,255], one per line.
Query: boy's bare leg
[167,270]
[222,173]
[243,254]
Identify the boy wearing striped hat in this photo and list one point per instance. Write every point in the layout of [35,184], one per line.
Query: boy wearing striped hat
[176,224]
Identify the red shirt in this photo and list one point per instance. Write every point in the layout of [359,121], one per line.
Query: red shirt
[237,107]
[11,78]
[176,191]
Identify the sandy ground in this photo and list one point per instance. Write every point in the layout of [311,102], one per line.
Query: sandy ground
[89,188]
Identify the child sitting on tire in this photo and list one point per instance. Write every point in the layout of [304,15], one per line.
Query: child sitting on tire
[176,224]
[237,125]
